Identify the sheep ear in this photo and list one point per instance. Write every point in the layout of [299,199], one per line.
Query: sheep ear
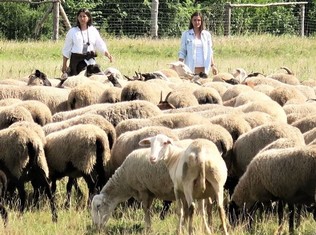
[144,142]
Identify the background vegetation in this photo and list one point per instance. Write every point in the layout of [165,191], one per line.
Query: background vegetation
[132,18]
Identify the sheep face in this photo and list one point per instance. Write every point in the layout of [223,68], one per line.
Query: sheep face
[159,145]
[99,210]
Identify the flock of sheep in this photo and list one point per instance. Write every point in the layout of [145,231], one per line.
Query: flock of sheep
[169,134]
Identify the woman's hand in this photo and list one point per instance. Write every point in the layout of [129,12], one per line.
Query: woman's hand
[214,70]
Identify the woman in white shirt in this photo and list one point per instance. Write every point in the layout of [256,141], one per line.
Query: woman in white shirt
[196,47]
[82,44]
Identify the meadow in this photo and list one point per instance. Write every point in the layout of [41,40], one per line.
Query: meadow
[260,53]
[264,54]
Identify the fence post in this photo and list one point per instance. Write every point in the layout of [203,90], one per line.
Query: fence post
[302,19]
[227,20]
[154,18]
[55,20]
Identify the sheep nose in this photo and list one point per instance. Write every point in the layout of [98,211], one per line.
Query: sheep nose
[152,160]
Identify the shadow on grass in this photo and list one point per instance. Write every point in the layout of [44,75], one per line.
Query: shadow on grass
[117,228]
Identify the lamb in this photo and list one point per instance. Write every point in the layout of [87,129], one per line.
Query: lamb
[197,172]
[172,120]
[85,155]
[268,178]
[87,118]
[23,159]
[116,112]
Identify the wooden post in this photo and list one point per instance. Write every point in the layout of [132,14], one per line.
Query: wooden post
[227,21]
[154,18]
[64,16]
[55,20]
[302,7]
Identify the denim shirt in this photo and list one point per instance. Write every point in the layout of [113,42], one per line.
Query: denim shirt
[188,49]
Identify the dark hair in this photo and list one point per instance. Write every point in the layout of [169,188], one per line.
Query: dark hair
[87,12]
[197,13]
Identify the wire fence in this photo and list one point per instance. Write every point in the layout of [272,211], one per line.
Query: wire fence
[132,21]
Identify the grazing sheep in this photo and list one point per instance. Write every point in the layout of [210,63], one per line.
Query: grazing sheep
[270,107]
[196,108]
[235,91]
[128,141]
[136,178]
[246,97]
[284,94]
[22,159]
[13,91]
[55,98]
[249,144]
[288,77]
[85,154]
[85,94]
[140,90]
[9,101]
[38,78]
[172,120]
[87,118]
[207,95]
[197,172]
[12,114]
[235,124]
[34,127]
[278,174]
[306,123]
[111,95]
[213,132]
[182,98]
[115,113]
[221,87]
[257,118]
[40,112]
[310,136]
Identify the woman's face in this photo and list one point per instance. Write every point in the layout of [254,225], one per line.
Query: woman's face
[83,18]
[196,21]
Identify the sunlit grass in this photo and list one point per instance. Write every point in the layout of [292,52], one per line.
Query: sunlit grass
[258,53]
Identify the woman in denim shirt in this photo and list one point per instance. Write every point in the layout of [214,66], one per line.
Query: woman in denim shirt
[196,47]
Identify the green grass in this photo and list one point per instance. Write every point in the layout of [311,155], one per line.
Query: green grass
[264,53]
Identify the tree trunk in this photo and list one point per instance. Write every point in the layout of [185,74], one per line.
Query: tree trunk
[154,18]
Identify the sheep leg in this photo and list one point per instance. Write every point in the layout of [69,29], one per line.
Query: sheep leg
[146,204]
[188,190]
[22,195]
[4,214]
[91,186]
[299,209]
[221,210]
[291,218]
[166,206]
[207,221]
[280,212]
[179,210]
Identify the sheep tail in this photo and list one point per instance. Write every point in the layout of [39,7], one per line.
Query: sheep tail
[202,175]
[33,152]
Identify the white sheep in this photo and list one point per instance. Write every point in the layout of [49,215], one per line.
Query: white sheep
[197,172]
[111,95]
[306,123]
[136,178]
[284,174]
[310,136]
[11,114]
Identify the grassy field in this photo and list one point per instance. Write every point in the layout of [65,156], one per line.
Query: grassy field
[265,54]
